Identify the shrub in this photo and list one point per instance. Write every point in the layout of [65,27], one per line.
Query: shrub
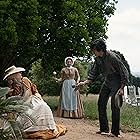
[45,84]
[10,128]
[52,101]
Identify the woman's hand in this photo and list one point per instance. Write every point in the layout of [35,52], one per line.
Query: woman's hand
[56,79]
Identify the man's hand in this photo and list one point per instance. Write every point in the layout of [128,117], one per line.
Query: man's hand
[77,86]
[80,84]
[83,83]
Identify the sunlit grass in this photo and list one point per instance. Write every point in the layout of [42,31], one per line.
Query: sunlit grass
[130,117]
[90,107]
[52,101]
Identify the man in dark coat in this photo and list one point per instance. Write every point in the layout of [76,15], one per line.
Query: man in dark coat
[116,77]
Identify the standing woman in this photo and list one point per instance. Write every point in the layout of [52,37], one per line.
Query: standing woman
[70,105]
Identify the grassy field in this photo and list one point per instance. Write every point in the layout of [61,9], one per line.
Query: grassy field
[130,116]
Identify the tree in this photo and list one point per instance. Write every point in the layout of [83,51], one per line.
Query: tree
[45,85]
[50,30]
[71,24]
[18,32]
[135,81]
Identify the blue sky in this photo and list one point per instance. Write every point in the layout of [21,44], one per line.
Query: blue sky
[124,32]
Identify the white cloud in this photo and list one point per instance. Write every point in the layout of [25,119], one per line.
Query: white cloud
[126,24]
[124,36]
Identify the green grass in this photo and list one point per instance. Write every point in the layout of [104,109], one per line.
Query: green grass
[90,109]
[130,116]
[52,101]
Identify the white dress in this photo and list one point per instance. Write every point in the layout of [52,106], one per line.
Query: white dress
[40,112]
[42,124]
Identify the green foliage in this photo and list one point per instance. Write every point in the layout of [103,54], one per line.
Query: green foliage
[96,85]
[33,29]
[10,128]
[52,101]
[37,75]
[69,26]
[19,22]
[90,110]
[46,84]
[82,68]
[135,81]
[130,118]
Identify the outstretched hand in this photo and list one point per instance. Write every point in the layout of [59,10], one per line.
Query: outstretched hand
[80,84]
[56,79]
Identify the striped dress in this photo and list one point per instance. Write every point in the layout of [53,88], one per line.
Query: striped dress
[44,126]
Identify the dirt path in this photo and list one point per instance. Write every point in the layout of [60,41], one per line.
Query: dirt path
[80,129]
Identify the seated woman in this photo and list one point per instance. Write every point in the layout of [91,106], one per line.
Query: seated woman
[44,126]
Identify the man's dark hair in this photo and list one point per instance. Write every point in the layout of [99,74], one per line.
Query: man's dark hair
[98,44]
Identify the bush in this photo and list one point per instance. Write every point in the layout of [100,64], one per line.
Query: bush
[90,110]
[10,108]
[52,101]
[45,84]
[82,68]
